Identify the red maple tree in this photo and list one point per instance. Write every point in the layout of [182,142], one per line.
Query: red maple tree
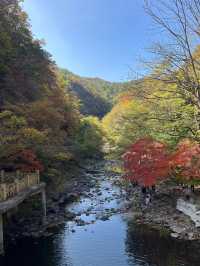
[146,162]
[26,161]
[186,160]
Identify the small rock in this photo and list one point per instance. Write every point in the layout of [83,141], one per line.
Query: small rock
[174,235]
[104,218]
[80,222]
[70,215]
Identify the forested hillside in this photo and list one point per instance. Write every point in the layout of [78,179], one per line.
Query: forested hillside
[26,70]
[99,149]
[155,124]
[96,95]
[40,120]
[43,108]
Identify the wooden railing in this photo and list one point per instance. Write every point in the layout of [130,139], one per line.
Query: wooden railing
[13,183]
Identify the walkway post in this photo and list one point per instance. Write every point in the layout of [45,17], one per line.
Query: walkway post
[44,207]
[2,176]
[1,235]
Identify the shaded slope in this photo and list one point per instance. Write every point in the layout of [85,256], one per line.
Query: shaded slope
[96,95]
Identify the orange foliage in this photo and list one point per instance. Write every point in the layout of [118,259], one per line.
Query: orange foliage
[126,98]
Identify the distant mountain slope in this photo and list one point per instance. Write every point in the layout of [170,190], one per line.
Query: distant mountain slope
[96,95]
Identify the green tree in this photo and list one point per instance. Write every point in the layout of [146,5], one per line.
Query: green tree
[90,137]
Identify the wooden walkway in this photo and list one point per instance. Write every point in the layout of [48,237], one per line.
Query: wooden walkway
[14,189]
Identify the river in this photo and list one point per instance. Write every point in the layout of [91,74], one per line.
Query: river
[102,235]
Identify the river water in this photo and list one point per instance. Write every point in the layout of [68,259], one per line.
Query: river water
[102,235]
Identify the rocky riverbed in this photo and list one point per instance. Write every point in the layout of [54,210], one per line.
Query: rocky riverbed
[95,191]
[97,194]
[97,212]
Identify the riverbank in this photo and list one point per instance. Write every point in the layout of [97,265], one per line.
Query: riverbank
[162,214]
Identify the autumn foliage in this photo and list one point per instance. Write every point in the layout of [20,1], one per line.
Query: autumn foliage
[147,161]
[186,160]
[26,161]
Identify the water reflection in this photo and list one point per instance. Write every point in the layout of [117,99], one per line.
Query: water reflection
[108,243]
[160,250]
[32,252]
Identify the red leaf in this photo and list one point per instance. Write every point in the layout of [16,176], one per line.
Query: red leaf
[146,162]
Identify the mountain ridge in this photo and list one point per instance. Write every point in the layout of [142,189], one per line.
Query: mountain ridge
[96,95]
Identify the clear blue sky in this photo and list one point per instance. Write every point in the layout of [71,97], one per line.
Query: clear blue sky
[96,38]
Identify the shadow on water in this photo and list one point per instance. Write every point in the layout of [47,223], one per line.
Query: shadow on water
[157,248]
[34,252]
